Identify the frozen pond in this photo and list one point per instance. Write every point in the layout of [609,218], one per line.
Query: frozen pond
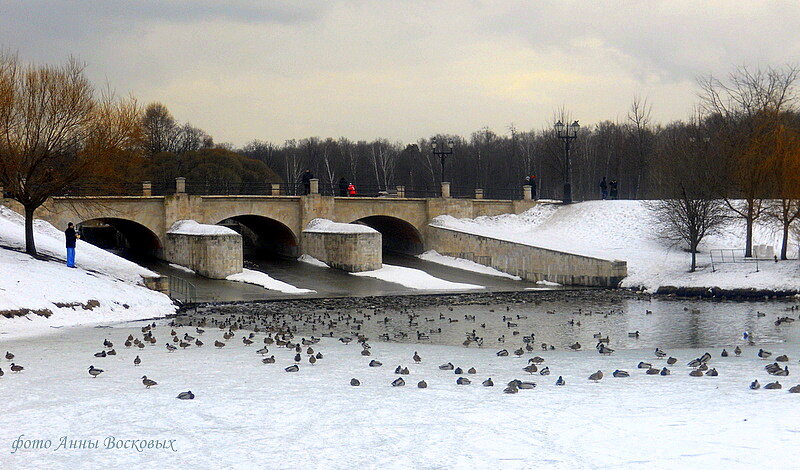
[248,414]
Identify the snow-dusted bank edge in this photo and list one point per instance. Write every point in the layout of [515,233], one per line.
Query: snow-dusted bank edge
[625,230]
[415,279]
[435,257]
[259,278]
[40,296]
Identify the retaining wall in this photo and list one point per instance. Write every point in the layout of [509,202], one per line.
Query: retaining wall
[214,256]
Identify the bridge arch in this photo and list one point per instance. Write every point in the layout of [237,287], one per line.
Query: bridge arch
[125,236]
[398,235]
[264,236]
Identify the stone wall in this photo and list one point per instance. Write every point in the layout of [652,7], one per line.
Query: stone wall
[352,252]
[528,262]
[212,256]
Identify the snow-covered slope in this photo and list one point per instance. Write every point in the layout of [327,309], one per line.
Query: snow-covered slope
[625,230]
[113,283]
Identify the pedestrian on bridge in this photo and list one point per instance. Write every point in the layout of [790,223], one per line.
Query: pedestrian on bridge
[71,236]
[603,188]
[351,190]
[343,186]
[306,180]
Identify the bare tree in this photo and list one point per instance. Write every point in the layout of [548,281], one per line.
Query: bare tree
[639,121]
[746,109]
[690,212]
[56,132]
[785,209]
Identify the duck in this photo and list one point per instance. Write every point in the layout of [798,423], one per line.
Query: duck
[530,368]
[651,371]
[773,386]
[526,385]
[458,371]
[16,368]
[416,358]
[137,360]
[620,373]
[502,353]
[545,371]
[374,363]
[795,389]
[575,346]
[754,385]
[488,382]
[472,370]
[782,358]
[219,343]
[659,353]
[355,382]
[519,352]
[422,384]
[269,360]
[672,361]
[782,372]
[764,354]
[108,343]
[696,373]
[188,395]
[644,365]
[510,389]
[292,368]
[463,381]
[724,353]
[398,382]
[635,334]
[603,349]
[263,351]
[665,371]
[1,372]
[9,356]
[560,381]
[100,354]
[95,372]
[170,347]
[312,360]
[536,360]
[448,366]
[147,382]
[737,350]
[712,372]
[596,376]
[298,357]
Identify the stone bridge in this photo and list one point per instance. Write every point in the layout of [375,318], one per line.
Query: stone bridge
[274,224]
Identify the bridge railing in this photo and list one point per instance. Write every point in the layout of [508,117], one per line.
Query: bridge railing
[249,188]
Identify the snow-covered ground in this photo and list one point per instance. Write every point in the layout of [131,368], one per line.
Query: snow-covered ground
[28,283]
[252,415]
[192,227]
[415,278]
[624,230]
[264,280]
[435,257]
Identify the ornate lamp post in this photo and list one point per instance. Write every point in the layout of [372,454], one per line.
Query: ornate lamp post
[443,153]
[567,134]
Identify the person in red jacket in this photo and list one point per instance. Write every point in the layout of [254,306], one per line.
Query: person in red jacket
[351,190]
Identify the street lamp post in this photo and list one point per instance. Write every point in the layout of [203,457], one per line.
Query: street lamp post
[443,153]
[567,134]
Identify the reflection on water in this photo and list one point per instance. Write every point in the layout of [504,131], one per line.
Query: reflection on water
[660,323]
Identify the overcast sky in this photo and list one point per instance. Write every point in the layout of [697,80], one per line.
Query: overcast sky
[276,70]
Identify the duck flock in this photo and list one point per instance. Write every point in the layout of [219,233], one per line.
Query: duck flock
[291,341]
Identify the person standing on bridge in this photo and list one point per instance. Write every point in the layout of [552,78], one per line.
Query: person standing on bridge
[343,187]
[603,189]
[306,180]
[71,236]
[351,190]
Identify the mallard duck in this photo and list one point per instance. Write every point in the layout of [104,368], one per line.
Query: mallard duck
[764,354]
[95,372]
[292,368]
[463,381]
[596,376]
[644,365]
[137,360]
[526,385]
[672,361]
[219,343]
[754,385]
[502,353]
[416,357]
[696,373]
[170,347]
[795,389]
[773,386]
[737,350]
[448,366]
[355,382]
[488,382]
[188,395]
[374,363]
[651,371]
[147,382]
[560,381]
[724,353]
[530,368]
[100,354]
[782,358]
[458,371]
[472,370]
[398,382]
[422,384]
[9,356]
[665,371]
[545,371]
[536,360]
[576,346]
[16,368]
[620,373]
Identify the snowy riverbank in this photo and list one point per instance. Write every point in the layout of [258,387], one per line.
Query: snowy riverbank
[103,288]
[624,230]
